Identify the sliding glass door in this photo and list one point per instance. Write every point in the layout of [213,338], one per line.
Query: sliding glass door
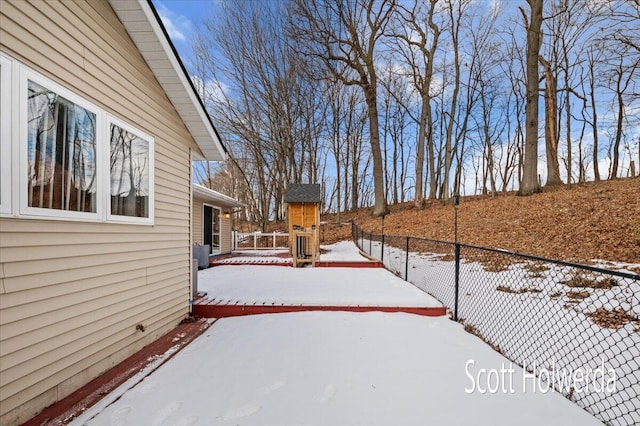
[211,228]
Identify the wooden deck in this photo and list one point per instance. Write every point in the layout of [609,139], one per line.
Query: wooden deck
[257,259]
[209,307]
[286,260]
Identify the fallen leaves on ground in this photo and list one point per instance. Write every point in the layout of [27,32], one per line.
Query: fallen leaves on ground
[596,220]
[611,319]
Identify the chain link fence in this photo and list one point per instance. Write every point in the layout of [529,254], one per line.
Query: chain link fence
[555,319]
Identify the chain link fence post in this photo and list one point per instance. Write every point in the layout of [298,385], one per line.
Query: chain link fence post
[457,282]
[456,202]
[406,263]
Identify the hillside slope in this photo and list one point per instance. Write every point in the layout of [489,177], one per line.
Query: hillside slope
[590,221]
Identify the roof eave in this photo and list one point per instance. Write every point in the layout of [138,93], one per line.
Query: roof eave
[168,70]
[215,197]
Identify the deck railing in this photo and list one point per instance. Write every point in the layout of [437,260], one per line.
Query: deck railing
[260,241]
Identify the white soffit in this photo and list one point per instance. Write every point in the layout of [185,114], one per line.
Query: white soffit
[215,197]
[144,28]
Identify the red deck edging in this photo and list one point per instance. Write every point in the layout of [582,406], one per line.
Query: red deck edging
[224,310]
[348,264]
[212,264]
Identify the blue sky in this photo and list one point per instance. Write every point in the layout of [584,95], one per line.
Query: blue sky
[180,17]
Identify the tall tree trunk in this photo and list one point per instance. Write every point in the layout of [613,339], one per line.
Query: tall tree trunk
[380,202]
[433,181]
[448,154]
[355,162]
[594,121]
[530,183]
[616,143]
[422,134]
[566,85]
[550,124]
[569,159]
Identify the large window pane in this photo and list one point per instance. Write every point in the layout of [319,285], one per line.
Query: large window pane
[130,164]
[61,151]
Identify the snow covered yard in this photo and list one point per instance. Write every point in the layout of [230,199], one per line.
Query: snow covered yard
[332,368]
[534,312]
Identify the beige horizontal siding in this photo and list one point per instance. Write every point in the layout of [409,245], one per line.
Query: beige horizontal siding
[150,256]
[225,234]
[197,221]
[118,346]
[71,293]
[98,324]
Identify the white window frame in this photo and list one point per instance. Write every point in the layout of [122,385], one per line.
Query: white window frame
[107,156]
[27,74]
[14,78]
[6,75]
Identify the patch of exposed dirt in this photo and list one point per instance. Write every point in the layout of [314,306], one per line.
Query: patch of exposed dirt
[596,220]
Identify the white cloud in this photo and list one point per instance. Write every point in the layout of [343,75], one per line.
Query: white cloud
[178,26]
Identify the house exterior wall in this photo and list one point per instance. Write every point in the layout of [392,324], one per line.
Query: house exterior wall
[225,225]
[197,220]
[225,234]
[72,293]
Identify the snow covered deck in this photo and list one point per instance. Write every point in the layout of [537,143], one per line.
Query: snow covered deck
[244,290]
[341,254]
[345,254]
[253,257]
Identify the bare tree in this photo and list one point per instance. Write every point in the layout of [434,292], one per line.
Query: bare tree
[569,27]
[343,34]
[592,59]
[456,14]
[419,34]
[270,108]
[621,66]
[396,100]
[622,74]
[533,22]
[550,123]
